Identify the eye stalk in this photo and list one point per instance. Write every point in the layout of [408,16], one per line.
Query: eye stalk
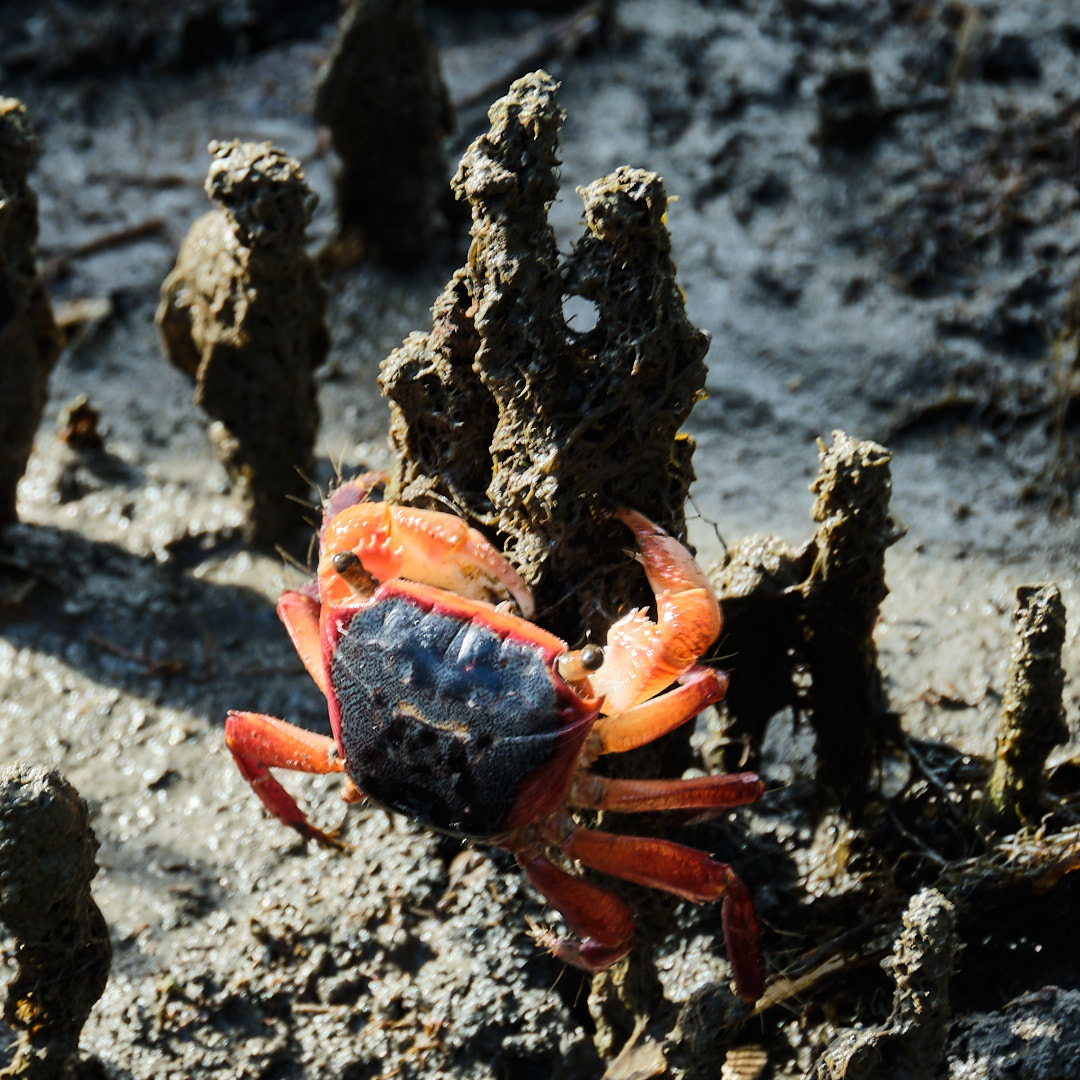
[347,564]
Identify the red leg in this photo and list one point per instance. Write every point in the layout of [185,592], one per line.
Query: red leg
[260,743]
[691,874]
[300,614]
[602,921]
[698,687]
[633,796]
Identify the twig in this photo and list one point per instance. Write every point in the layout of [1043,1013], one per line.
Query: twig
[153,667]
[558,37]
[59,264]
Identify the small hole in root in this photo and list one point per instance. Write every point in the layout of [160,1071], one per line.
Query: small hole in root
[581,315]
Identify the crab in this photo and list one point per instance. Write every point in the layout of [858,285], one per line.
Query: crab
[447,704]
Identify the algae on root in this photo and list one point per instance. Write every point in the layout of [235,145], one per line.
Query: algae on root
[911,1045]
[799,623]
[29,338]
[242,313]
[1032,712]
[532,428]
[62,948]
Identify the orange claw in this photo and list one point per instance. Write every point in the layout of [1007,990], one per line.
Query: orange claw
[698,687]
[642,657]
[425,546]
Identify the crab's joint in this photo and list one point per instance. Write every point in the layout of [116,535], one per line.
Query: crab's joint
[602,925]
[350,793]
[578,663]
[347,565]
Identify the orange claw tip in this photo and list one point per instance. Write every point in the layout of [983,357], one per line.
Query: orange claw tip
[668,563]
[328,840]
[588,956]
[635,518]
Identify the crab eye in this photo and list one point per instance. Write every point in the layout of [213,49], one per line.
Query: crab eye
[344,561]
[591,657]
[577,664]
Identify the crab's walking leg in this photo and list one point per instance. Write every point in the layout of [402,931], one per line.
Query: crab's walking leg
[260,743]
[300,614]
[602,922]
[642,657]
[691,874]
[698,687]
[633,796]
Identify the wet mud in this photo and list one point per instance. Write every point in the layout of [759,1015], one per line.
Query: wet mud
[874,213]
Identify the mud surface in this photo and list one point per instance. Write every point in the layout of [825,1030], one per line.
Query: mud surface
[898,264]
